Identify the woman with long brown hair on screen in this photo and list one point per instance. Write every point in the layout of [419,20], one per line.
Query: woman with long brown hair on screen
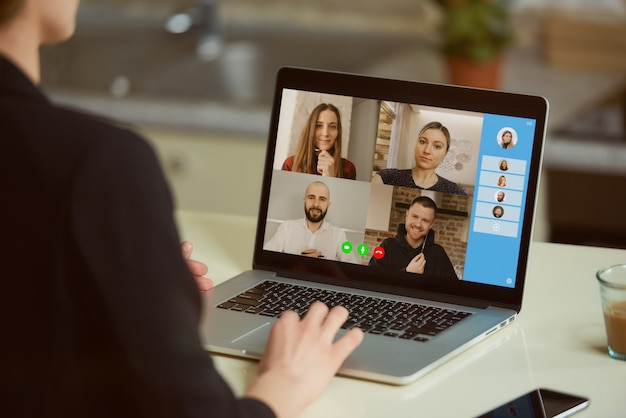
[319,147]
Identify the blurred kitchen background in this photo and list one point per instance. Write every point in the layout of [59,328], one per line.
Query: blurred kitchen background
[196,78]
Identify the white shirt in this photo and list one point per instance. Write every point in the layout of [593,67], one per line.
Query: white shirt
[293,237]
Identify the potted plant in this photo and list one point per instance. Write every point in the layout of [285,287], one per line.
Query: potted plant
[475,34]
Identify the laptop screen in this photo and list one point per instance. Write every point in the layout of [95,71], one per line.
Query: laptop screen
[400,183]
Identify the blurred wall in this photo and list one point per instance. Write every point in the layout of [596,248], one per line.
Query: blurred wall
[410,16]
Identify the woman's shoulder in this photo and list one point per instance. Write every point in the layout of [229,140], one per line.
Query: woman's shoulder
[446,186]
[347,163]
[85,135]
[348,169]
[394,171]
[397,177]
[288,164]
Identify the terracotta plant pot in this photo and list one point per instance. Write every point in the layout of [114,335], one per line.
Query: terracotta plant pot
[465,72]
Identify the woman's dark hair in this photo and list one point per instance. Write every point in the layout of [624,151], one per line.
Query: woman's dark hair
[8,9]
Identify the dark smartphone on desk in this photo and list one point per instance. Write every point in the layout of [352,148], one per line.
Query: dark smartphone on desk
[540,403]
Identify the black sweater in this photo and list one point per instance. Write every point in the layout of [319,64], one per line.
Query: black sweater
[398,254]
[101,313]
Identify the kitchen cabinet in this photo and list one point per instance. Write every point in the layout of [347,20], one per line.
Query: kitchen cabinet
[211,172]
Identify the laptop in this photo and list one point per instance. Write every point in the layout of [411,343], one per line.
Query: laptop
[476,248]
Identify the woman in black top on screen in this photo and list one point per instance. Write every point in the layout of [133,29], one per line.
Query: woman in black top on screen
[431,147]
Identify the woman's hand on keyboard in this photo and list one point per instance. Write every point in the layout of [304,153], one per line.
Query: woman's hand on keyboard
[301,358]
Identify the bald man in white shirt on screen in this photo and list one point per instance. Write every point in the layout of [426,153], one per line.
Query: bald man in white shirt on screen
[312,236]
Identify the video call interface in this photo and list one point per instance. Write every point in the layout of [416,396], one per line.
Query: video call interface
[345,176]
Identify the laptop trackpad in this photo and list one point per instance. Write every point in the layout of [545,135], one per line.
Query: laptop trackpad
[253,342]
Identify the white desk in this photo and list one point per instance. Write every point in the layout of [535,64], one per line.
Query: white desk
[557,342]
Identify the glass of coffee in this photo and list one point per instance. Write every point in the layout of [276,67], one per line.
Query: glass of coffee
[613,294]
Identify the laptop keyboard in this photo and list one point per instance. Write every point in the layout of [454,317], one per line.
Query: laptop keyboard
[373,315]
